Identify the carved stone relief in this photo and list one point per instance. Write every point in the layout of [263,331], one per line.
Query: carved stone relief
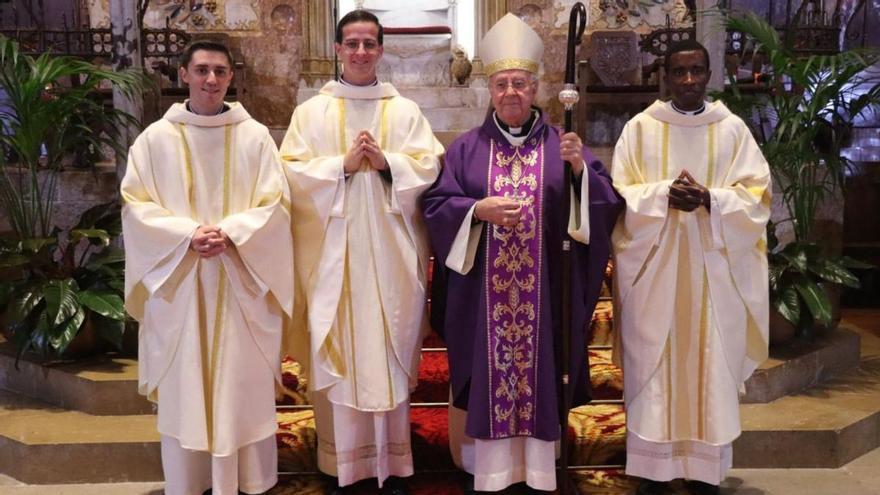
[99,13]
[637,15]
[204,16]
[615,54]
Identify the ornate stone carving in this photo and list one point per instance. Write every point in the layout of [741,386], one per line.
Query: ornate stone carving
[205,16]
[283,18]
[614,55]
[641,16]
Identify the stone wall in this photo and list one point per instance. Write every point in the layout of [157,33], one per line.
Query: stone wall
[269,36]
[266,35]
[550,19]
[77,190]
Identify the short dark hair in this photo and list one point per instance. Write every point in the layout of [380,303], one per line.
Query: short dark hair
[688,45]
[208,45]
[359,15]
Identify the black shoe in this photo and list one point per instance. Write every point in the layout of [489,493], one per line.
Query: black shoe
[523,488]
[467,486]
[651,487]
[331,486]
[394,485]
[701,488]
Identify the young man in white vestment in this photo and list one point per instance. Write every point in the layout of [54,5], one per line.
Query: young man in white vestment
[690,278]
[204,219]
[357,157]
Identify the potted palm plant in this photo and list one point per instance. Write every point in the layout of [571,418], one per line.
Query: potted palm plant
[56,282]
[802,119]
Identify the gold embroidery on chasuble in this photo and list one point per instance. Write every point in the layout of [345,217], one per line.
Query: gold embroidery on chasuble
[513,268]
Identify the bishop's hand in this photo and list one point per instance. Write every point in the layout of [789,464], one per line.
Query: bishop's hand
[498,210]
[572,150]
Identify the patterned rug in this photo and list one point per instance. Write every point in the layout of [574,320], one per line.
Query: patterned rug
[596,431]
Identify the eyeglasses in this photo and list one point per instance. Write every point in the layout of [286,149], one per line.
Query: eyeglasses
[351,46]
[518,85]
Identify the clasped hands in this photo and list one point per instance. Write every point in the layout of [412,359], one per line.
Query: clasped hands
[686,194]
[506,211]
[364,147]
[209,241]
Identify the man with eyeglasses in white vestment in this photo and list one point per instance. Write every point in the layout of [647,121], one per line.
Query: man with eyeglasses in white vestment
[357,157]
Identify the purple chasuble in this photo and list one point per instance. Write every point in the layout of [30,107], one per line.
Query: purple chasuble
[500,319]
[513,288]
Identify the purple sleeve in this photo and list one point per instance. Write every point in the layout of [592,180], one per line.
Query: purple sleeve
[445,203]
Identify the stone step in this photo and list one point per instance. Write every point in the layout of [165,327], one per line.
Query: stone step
[825,426]
[102,385]
[802,364]
[41,444]
[63,446]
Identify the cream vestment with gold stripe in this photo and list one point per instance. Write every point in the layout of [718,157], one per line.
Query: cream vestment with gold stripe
[210,328]
[690,288]
[361,256]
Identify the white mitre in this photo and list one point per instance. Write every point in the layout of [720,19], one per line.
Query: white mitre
[511,44]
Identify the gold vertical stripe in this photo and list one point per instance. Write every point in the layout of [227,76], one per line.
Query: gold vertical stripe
[669,385]
[343,144]
[489,229]
[665,151]
[704,302]
[220,308]
[187,162]
[203,341]
[219,315]
[332,351]
[227,158]
[701,369]
[710,173]
[387,357]
[346,289]
[330,346]
[383,126]
[639,162]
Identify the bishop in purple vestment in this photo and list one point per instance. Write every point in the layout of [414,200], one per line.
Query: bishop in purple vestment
[496,220]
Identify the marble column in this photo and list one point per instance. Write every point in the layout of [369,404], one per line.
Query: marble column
[126,54]
[711,33]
